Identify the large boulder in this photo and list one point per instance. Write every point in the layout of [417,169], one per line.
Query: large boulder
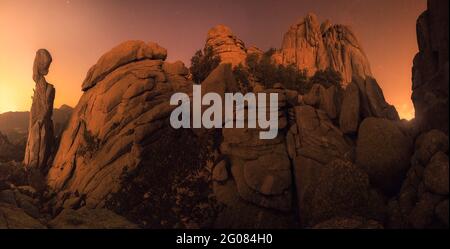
[260,168]
[436,174]
[342,190]
[429,143]
[121,55]
[119,150]
[384,151]
[226,45]
[421,201]
[313,142]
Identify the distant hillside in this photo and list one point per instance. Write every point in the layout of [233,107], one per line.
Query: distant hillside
[15,124]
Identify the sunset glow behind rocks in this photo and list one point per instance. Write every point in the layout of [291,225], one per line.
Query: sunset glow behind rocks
[78,32]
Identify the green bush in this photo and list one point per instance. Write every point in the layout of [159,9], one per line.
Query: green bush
[269,73]
[202,64]
[327,78]
[241,75]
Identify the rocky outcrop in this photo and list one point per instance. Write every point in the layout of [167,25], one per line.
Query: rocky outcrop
[383,150]
[313,47]
[423,198]
[226,45]
[430,70]
[119,150]
[41,138]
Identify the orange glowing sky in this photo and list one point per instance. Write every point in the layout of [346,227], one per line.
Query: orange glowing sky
[78,32]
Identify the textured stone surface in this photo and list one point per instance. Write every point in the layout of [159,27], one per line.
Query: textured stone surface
[226,45]
[342,190]
[436,174]
[309,46]
[430,69]
[110,124]
[384,151]
[41,138]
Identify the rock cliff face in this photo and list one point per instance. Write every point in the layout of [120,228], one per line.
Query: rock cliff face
[41,139]
[430,70]
[118,149]
[423,198]
[312,46]
[226,45]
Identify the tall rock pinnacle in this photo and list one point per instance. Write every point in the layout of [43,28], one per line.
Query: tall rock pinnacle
[313,46]
[40,132]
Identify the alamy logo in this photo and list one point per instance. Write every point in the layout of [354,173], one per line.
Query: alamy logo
[257,107]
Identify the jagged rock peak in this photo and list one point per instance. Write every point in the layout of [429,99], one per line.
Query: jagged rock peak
[120,55]
[313,46]
[226,45]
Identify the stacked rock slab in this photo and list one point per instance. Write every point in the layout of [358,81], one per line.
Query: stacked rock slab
[255,174]
[430,70]
[226,45]
[125,101]
[40,142]
[312,46]
[423,198]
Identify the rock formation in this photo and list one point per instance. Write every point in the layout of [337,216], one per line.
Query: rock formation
[40,142]
[341,159]
[430,70]
[119,150]
[226,45]
[423,199]
[312,46]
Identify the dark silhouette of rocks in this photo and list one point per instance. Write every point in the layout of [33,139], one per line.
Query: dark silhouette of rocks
[430,70]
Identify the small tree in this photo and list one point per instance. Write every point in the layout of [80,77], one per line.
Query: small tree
[327,78]
[202,64]
[241,75]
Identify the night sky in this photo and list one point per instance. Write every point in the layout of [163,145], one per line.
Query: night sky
[78,32]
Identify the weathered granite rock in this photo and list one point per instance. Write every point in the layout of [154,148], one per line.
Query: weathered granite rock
[312,143]
[226,45]
[436,174]
[260,168]
[41,140]
[121,55]
[119,150]
[384,151]
[313,47]
[425,187]
[431,68]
